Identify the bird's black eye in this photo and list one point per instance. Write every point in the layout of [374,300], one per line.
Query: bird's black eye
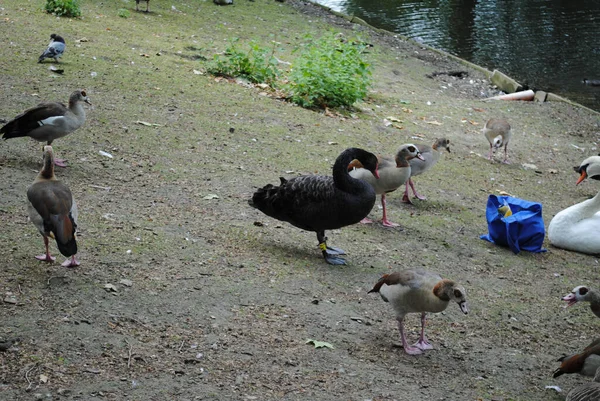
[457,294]
[411,149]
[583,291]
[83,93]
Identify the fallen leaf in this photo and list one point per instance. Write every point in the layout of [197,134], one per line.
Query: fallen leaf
[43,379]
[211,196]
[103,153]
[319,344]
[110,288]
[394,119]
[147,124]
[433,122]
[126,283]
[503,193]
[197,72]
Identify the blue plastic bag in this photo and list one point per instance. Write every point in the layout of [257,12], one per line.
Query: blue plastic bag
[523,230]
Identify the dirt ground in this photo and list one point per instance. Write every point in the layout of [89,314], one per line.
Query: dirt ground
[212,300]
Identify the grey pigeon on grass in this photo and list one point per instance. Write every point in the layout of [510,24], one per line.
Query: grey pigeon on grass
[55,48]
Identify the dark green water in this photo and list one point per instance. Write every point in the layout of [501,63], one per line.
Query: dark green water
[547,45]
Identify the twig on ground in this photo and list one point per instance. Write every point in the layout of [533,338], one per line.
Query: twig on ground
[130,354]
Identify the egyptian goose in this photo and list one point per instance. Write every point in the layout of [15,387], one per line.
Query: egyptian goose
[498,134]
[55,48]
[585,363]
[418,291]
[577,228]
[48,121]
[318,203]
[431,155]
[591,82]
[393,172]
[586,392]
[582,293]
[138,2]
[53,211]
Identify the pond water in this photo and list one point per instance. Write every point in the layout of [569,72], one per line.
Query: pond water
[549,45]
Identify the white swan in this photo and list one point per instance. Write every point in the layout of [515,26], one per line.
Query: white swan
[577,228]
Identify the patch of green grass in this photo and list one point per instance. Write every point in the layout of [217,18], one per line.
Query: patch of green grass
[123,13]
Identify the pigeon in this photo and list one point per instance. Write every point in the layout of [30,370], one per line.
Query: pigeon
[55,49]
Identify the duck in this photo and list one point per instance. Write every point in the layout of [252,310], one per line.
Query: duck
[582,293]
[418,291]
[393,172]
[498,133]
[318,203]
[577,228]
[431,155]
[591,82]
[55,48]
[585,363]
[586,392]
[49,121]
[138,2]
[52,209]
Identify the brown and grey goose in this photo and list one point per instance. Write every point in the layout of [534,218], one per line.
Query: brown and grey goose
[585,363]
[393,172]
[583,293]
[48,121]
[418,291]
[498,133]
[318,203]
[586,392]
[431,155]
[53,211]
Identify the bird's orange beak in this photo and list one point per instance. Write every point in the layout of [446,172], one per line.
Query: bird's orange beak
[582,177]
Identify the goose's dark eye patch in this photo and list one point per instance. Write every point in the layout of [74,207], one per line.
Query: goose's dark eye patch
[583,291]
[457,293]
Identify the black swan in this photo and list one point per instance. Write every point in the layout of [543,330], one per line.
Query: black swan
[318,203]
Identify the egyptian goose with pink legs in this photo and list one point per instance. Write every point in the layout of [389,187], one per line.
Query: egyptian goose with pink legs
[586,392]
[419,291]
[498,133]
[48,121]
[53,211]
[431,155]
[318,202]
[577,228]
[585,363]
[393,172]
[584,294]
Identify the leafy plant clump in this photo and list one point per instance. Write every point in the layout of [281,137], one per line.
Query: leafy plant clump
[258,64]
[329,72]
[123,13]
[63,8]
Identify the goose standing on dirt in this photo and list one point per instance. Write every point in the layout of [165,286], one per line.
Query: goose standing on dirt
[431,155]
[393,172]
[585,363]
[577,228]
[318,203]
[138,2]
[48,121]
[586,392]
[53,211]
[55,49]
[418,291]
[498,133]
[584,294]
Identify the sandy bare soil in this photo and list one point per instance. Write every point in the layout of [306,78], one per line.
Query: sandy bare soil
[213,300]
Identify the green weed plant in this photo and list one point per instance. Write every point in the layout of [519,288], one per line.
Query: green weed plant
[63,8]
[258,64]
[329,72]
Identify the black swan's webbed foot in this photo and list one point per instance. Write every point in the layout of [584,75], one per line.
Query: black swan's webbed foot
[330,253]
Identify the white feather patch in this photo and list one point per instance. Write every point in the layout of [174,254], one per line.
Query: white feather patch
[55,120]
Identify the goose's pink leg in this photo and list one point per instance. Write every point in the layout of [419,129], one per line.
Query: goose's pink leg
[406,197]
[366,220]
[70,262]
[412,185]
[490,154]
[505,155]
[410,350]
[385,221]
[47,257]
[423,344]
